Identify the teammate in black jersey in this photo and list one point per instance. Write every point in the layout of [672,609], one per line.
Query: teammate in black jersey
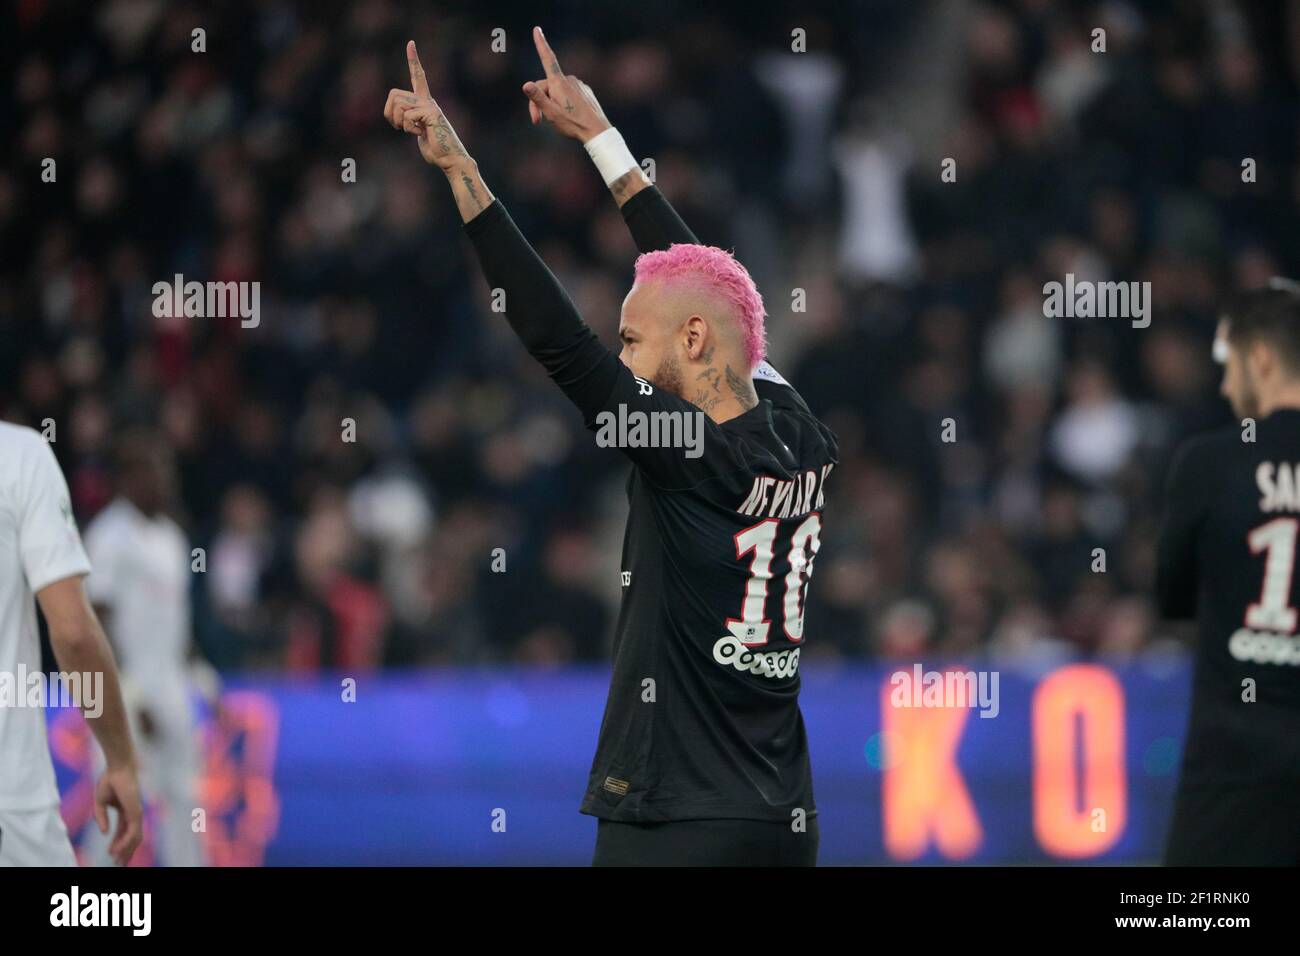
[702,756]
[1227,556]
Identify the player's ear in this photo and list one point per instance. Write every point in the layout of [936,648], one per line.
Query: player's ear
[697,330]
[1261,359]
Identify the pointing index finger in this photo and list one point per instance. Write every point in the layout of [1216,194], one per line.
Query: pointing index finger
[550,63]
[418,83]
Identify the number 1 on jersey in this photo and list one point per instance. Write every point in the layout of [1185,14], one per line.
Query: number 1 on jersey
[1273,612]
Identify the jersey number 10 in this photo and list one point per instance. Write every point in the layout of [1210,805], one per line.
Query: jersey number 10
[751,628]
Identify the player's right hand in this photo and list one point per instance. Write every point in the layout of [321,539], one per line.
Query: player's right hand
[119,788]
[418,113]
[564,101]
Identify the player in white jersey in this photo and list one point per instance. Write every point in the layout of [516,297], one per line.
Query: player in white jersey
[41,559]
[140,586]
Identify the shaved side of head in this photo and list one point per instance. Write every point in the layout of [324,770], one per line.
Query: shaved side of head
[709,282]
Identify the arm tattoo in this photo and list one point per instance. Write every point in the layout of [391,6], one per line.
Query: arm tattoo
[443,134]
[473,193]
[742,388]
[440,134]
[621,185]
[628,185]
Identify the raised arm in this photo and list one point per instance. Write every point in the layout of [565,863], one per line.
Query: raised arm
[416,112]
[537,307]
[569,105]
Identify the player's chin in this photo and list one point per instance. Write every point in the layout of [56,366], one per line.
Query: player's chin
[667,376]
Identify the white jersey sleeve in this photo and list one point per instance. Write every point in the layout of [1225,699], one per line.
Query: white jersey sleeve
[48,543]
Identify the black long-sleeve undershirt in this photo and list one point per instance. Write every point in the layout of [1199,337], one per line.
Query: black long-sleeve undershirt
[548,323]
[653,221]
[541,312]
[591,375]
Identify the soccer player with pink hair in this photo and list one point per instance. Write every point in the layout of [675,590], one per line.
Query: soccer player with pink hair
[702,757]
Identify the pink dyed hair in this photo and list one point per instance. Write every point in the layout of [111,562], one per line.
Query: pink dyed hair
[715,270]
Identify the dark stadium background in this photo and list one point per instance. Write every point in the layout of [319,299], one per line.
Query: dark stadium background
[822,170]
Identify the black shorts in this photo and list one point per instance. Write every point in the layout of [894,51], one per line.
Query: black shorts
[706,843]
[1252,826]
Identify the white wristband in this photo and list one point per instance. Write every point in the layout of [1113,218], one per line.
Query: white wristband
[610,154]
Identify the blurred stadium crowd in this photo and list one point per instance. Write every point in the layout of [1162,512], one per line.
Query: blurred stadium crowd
[924,298]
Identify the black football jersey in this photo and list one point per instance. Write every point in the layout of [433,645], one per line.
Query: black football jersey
[703,713]
[1227,556]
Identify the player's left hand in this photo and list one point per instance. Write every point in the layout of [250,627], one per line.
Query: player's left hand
[564,101]
[416,112]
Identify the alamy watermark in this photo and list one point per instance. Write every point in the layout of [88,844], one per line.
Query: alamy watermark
[133,911]
[921,688]
[1085,299]
[211,300]
[659,429]
[36,689]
